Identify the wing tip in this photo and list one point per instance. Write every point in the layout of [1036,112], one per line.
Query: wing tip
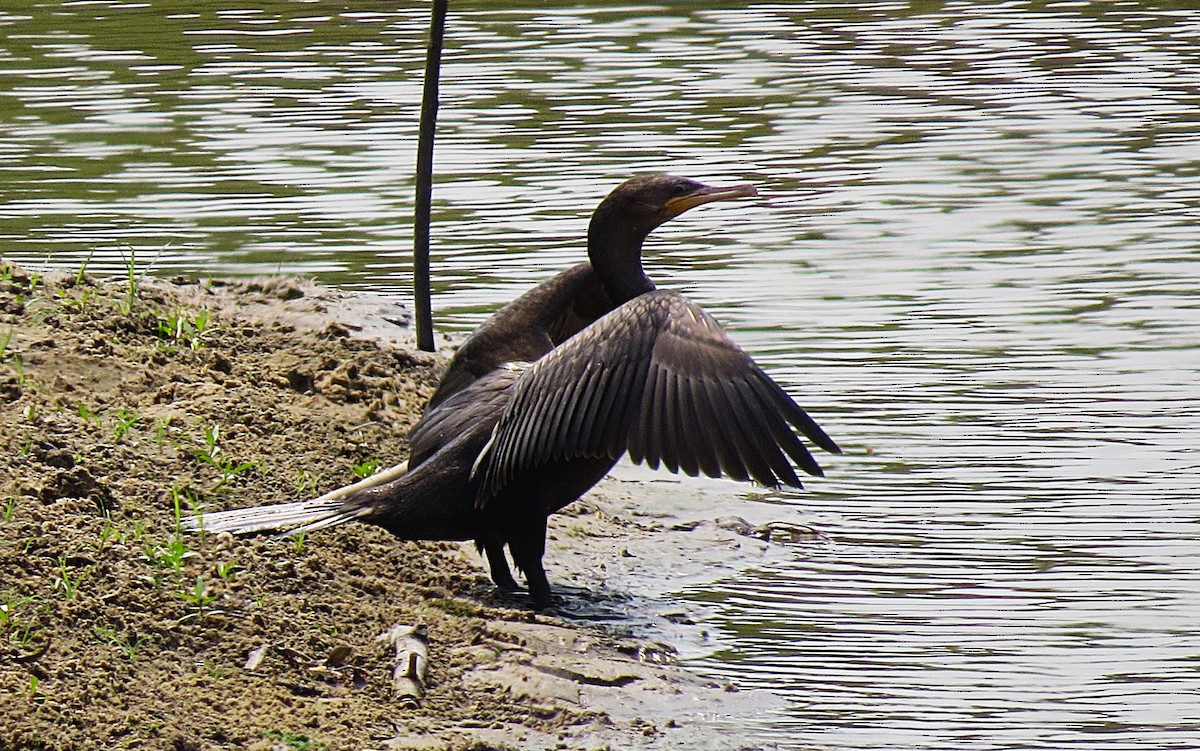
[829,445]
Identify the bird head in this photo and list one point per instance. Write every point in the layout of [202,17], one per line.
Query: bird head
[642,203]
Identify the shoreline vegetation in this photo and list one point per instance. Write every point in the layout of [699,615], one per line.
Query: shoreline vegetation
[127,407]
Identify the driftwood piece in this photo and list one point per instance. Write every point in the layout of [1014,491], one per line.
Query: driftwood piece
[412,659]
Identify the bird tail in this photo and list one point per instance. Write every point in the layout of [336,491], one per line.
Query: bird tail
[286,518]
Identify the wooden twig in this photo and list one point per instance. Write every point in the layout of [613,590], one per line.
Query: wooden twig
[412,659]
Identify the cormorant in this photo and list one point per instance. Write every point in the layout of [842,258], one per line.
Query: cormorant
[544,398]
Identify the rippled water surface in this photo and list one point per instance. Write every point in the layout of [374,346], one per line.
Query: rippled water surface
[974,258]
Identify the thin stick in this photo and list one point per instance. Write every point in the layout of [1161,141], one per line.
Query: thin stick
[424,196]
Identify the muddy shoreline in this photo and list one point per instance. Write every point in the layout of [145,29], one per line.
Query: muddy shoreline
[127,406]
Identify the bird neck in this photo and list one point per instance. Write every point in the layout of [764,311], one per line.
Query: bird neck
[615,252]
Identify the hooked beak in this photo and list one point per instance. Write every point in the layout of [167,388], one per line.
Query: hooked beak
[704,195]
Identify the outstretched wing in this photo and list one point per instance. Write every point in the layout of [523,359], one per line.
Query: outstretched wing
[659,378]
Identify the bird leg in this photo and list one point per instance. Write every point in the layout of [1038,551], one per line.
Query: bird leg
[497,563]
[527,547]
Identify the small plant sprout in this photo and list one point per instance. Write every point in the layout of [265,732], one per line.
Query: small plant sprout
[103,505]
[228,469]
[126,419]
[299,538]
[138,531]
[31,691]
[181,329]
[108,533]
[367,468]
[226,466]
[199,596]
[7,356]
[212,435]
[8,611]
[211,438]
[127,643]
[306,482]
[296,741]
[132,281]
[65,581]
[181,499]
[10,508]
[70,301]
[22,634]
[170,555]
[18,365]
[227,570]
[11,358]
[81,274]
[35,278]
[161,428]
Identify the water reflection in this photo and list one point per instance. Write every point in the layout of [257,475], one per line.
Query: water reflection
[974,257]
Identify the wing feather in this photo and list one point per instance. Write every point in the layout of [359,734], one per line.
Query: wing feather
[657,439]
[550,416]
[585,442]
[751,451]
[683,426]
[769,402]
[767,442]
[610,435]
[799,418]
[727,443]
[676,439]
[638,437]
[701,444]
[660,379]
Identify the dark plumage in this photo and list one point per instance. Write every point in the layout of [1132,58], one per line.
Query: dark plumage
[617,366]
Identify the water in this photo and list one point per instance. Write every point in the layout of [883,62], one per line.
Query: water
[974,258]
